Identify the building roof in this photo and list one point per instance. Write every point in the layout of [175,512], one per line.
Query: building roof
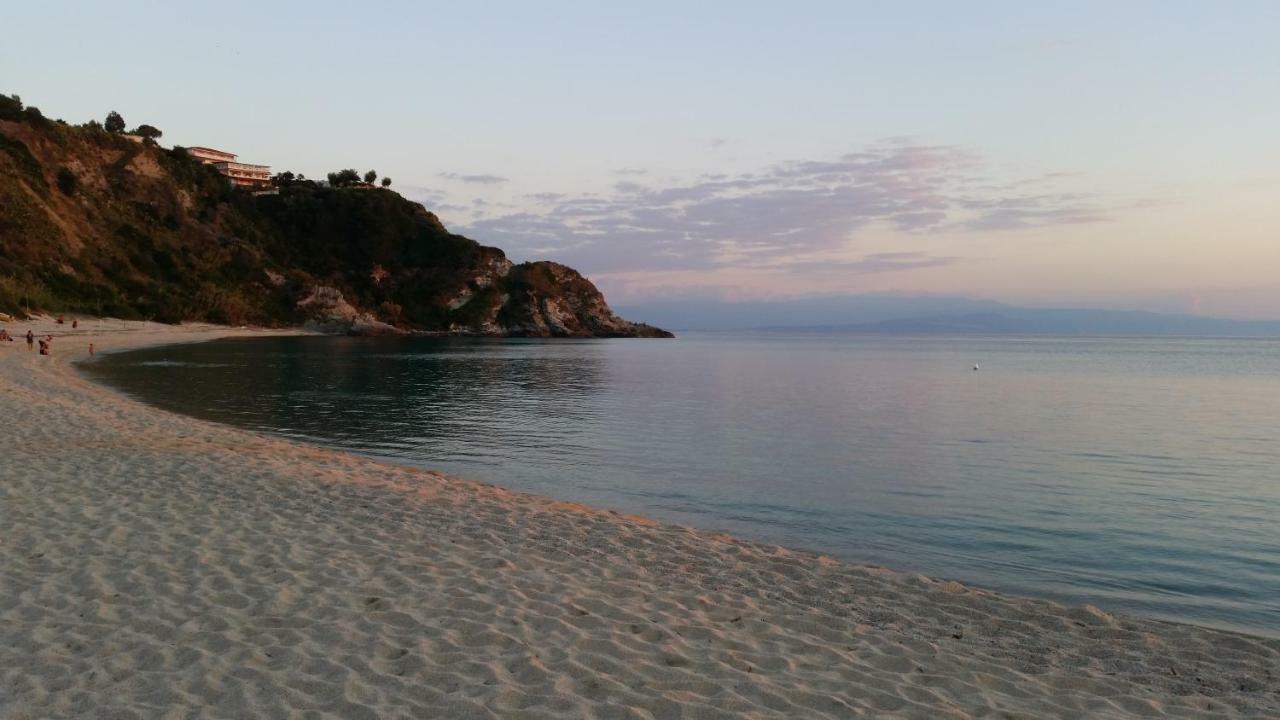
[215,151]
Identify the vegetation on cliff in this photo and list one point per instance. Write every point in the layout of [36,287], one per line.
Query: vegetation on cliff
[96,223]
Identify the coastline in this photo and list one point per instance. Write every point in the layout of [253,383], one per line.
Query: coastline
[153,561]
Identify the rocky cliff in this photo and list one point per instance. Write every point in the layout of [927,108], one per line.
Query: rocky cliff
[92,222]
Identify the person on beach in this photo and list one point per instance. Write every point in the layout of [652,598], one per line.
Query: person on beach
[31,338]
[90,349]
[75,323]
[44,346]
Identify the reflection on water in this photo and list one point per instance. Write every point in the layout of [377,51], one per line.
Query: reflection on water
[1137,475]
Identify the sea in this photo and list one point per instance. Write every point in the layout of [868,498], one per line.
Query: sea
[1138,475]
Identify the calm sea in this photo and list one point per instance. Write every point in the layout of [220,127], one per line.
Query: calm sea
[1139,475]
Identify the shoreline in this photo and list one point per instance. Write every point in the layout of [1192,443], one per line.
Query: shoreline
[152,560]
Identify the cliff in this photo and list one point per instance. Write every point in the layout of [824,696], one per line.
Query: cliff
[91,222]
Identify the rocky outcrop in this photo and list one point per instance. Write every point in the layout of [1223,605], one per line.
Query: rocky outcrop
[95,224]
[551,300]
[327,311]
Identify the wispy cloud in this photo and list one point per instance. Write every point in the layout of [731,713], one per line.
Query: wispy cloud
[789,213]
[479,179]
[1031,211]
[545,197]
[874,263]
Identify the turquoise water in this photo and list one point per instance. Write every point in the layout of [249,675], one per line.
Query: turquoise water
[1139,475]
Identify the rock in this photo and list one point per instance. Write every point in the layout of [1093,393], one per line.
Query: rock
[327,311]
[548,299]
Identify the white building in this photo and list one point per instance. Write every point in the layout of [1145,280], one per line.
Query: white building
[240,174]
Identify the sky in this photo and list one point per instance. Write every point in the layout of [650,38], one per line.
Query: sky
[1085,154]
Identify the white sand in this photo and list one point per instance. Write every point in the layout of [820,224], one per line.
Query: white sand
[158,566]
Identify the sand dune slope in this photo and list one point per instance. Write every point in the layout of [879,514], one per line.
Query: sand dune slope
[158,566]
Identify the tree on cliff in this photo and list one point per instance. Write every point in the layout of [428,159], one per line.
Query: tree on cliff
[370,176]
[114,123]
[386,182]
[148,132]
[343,178]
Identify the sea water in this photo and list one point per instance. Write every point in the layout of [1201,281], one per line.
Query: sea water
[1138,475]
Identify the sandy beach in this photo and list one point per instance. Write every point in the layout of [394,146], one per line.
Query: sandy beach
[159,566]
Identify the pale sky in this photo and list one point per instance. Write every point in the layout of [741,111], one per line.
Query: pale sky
[1100,154]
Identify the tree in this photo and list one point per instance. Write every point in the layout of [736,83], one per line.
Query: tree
[148,132]
[370,176]
[386,182]
[344,177]
[114,123]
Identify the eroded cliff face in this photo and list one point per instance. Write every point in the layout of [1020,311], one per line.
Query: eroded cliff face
[540,299]
[550,299]
[93,223]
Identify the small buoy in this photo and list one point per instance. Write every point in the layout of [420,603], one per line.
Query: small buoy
[975,366]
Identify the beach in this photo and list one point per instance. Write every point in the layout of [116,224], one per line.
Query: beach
[161,566]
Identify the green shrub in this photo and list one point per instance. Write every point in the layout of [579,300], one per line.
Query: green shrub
[67,181]
[35,118]
[26,162]
[10,108]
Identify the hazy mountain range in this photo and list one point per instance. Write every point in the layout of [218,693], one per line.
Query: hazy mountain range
[931,314]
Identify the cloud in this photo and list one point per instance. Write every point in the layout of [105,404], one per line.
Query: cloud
[545,197]
[1032,211]
[475,179]
[876,263]
[787,214]
[425,195]
[631,171]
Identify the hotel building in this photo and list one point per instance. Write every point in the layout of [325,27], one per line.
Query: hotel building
[240,174]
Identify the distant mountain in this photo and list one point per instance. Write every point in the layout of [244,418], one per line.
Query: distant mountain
[1028,321]
[934,315]
[711,314]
